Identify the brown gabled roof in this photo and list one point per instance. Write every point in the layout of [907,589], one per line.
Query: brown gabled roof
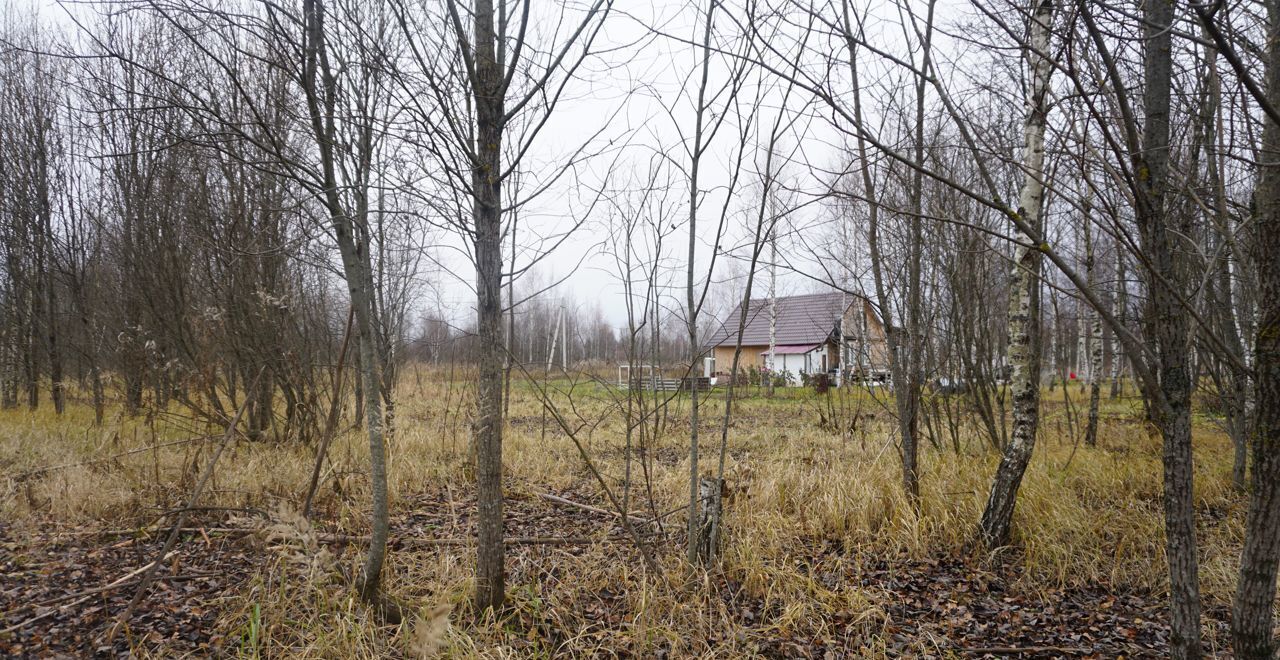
[808,319]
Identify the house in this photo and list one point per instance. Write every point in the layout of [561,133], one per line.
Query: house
[834,333]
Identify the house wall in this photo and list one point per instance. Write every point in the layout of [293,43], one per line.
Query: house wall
[873,344]
[793,364]
[750,357]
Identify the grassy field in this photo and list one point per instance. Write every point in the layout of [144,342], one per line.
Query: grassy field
[823,556]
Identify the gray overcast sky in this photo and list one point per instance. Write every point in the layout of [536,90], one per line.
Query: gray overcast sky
[638,99]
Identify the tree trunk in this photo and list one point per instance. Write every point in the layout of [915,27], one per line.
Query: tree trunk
[132,382]
[1095,384]
[320,88]
[8,364]
[360,286]
[1095,352]
[30,352]
[508,358]
[487,211]
[1251,616]
[1218,298]
[906,425]
[1251,621]
[1024,298]
[913,367]
[357,361]
[99,396]
[708,515]
[57,389]
[773,314]
[1169,330]
[695,524]
[1121,306]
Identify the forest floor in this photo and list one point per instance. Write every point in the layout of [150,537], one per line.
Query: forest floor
[823,556]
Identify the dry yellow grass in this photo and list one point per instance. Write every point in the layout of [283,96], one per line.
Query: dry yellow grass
[805,499]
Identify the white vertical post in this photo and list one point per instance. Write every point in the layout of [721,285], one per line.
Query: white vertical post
[773,304]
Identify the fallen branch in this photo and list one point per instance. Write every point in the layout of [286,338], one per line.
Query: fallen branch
[112,587]
[430,542]
[403,541]
[1015,650]
[144,530]
[594,509]
[149,575]
[83,596]
[38,617]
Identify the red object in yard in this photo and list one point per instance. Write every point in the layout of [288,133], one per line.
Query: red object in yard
[1073,375]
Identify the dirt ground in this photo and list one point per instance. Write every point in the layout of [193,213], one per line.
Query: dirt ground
[822,557]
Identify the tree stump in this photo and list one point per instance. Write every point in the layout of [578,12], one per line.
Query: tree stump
[707,543]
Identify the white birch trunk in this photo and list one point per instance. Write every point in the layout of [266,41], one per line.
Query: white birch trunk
[1024,299]
[1121,303]
[773,307]
[1095,354]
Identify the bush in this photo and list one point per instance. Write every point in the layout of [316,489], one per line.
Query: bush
[819,382]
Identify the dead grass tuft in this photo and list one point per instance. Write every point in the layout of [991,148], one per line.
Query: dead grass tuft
[811,509]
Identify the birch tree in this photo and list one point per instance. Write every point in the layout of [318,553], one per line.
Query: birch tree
[1024,297]
[1095,322]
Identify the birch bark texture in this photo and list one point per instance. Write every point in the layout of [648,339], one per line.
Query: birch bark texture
[1121,307]
[1024,296]
[1095,323]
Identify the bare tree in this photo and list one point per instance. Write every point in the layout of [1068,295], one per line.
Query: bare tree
[713,105]
[331,162]
[480,108]
[1252,611]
